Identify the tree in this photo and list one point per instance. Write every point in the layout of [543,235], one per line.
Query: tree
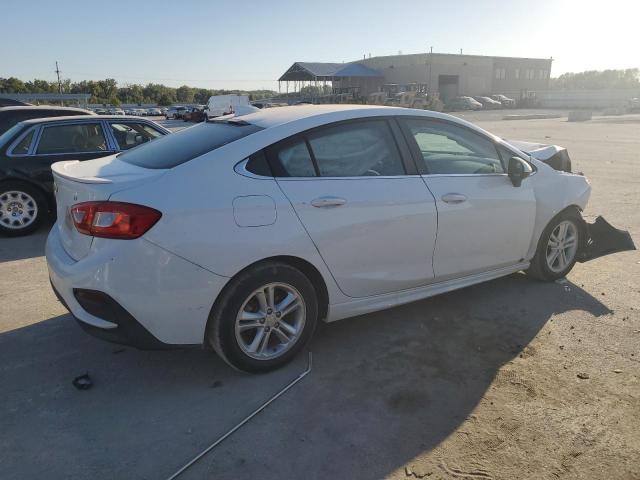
[593,79]
[185,94]
[165,100]
[107,91]
[12,85]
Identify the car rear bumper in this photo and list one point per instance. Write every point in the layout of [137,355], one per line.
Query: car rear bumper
[133,292]
[128,331]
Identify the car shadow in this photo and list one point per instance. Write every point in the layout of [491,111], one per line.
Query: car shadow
[29,246]
[389,386]
[385,387]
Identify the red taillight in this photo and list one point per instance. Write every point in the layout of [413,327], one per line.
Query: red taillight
[113,219]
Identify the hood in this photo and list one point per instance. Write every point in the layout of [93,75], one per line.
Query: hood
[553,155]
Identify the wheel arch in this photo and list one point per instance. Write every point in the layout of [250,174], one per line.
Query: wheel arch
[306,267]
[46,195]
[571,209]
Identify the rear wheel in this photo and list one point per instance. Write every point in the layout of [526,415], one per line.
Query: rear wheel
[22,208]
[263,318]
[558,248]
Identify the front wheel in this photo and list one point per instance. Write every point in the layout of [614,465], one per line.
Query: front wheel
[22,208]
[558,248]
[264,317]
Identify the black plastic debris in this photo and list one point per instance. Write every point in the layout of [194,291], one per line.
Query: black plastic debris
[83,382]
[604,239]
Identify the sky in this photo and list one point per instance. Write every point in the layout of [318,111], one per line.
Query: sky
[249,44]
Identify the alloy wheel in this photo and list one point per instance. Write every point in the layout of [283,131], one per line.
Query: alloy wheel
[270,321]
[17,209]
[562,246]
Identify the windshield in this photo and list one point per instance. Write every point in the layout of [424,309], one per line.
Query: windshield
[180,147]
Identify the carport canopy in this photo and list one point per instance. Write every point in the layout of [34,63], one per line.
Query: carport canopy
[313,71]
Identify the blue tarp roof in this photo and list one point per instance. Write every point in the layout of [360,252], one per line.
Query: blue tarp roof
[316,70]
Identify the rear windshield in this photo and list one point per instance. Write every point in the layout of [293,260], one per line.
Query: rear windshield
[180,147]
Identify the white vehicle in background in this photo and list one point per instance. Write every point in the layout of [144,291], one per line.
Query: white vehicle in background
[243,233]
[504,100]
[220,105]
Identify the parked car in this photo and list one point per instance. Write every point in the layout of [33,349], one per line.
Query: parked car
[175,112]
[194,114]
[488,103]
[243,233]
[463,103]
[28,149]
[9,116]
[117,111]
[504,100]
[634,105]
[156,112]
[9,102]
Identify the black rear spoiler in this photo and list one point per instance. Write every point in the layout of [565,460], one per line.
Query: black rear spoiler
[602,239]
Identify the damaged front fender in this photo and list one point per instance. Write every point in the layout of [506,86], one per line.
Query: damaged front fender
[602,239]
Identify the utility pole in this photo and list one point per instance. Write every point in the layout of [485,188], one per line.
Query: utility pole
[430,63]
[59,82]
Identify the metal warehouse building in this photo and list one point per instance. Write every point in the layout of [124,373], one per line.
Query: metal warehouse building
[448,75]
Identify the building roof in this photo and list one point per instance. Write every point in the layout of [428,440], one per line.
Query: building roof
[327,71]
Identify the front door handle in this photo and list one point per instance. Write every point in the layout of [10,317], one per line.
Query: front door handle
[454,198]
[324,202]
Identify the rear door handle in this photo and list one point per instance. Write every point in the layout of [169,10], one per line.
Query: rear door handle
[454,198]
[324,202]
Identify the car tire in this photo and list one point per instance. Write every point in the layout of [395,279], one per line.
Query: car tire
[247,330]
[558,247]
[22,208]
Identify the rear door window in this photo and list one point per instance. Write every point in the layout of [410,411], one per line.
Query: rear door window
[185,145]
[357,149]
[74,138]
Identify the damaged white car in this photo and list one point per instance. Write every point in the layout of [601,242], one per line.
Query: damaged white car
[242,234]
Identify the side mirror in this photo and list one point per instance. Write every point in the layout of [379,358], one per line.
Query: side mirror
[518,170]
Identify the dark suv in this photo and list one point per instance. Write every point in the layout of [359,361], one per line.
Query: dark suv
[9,116]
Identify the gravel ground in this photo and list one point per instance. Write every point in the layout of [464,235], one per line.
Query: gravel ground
[509,379]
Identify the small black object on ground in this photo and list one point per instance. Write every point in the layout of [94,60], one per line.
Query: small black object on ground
[83,382]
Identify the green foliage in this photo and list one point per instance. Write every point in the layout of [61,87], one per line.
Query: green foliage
[108,92]
[313,91]
[596,80]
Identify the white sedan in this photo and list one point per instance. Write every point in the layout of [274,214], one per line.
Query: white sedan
[241,234]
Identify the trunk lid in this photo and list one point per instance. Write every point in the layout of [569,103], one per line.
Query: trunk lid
[77,182]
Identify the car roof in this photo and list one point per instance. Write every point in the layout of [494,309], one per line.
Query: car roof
[85,118]
[42,107]
[92,118]
[271,117]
